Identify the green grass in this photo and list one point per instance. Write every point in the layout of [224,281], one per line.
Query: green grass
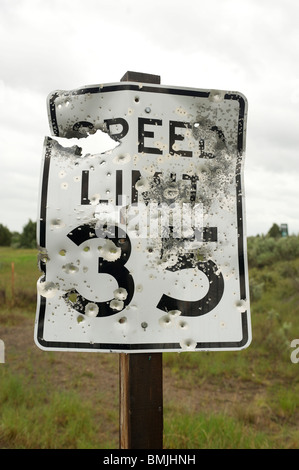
[185,430]
[261,383]
[18,275]
[33,419]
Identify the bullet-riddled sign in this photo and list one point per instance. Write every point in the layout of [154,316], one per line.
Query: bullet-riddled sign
[143,247]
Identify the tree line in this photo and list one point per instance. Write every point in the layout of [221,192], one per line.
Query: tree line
[25,239]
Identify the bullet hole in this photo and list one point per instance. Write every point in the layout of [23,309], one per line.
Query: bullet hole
[241,305]
[91,310]
[122,158]
[43,257]
[46,289]
[142,184]
[70,268]
[56,223]
[165,321]
[216,96]
[110,252]
[171,192]
[122,320]
[116,304]
[188,344]
[71,297]
[144,325]
[174,313]
[120,294]
[94,199]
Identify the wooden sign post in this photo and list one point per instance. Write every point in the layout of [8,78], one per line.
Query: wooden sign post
[140,377]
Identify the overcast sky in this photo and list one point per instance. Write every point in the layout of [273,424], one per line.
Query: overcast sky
[250,46]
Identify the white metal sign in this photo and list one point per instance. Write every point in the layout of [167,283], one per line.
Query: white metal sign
[143,248]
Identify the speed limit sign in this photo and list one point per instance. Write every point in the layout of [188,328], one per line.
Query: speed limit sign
[143,247]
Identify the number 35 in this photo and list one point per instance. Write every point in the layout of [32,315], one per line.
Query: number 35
[121,274]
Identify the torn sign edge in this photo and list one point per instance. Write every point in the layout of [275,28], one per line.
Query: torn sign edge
[242,252]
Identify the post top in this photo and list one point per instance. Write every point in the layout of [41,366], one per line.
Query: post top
[130,76]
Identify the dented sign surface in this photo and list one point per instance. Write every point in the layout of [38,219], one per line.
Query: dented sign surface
[143,247]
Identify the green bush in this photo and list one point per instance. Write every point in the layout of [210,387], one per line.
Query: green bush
[265,251]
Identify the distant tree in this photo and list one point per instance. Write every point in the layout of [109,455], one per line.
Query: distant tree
[28,236]
[274,231]
[15,239]
[5,236]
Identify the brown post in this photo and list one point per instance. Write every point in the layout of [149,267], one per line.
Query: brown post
[140,377]
[13,283]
